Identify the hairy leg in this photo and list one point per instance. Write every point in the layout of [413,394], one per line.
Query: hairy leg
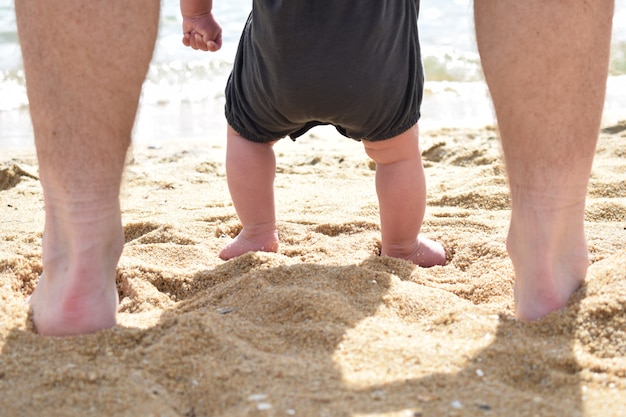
[250,170]
[401,189]
[85,63]
[546,65]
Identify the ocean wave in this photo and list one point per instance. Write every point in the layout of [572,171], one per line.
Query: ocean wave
[618,58]
[13,90]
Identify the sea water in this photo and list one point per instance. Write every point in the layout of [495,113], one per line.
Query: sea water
[183,97]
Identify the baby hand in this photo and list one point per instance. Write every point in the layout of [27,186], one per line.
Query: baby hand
[202,32]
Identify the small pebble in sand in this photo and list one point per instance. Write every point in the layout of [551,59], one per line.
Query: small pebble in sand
[257,397]
[263,406]
[457,404]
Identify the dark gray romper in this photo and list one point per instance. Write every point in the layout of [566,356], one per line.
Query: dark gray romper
[354,64]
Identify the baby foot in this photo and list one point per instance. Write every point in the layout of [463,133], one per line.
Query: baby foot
[264,242]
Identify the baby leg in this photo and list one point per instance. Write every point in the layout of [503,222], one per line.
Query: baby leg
[250,171]
[401,189]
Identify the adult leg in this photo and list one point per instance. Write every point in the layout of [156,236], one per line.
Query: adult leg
[85,63]
[401,190]
[546,65]
[250,171]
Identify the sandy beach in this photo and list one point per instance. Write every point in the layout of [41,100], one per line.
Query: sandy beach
[325,327]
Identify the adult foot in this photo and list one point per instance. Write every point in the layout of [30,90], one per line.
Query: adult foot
[64,309]
[550,258]
[77,292]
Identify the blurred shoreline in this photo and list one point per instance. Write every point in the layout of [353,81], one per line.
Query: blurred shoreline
[183,99]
